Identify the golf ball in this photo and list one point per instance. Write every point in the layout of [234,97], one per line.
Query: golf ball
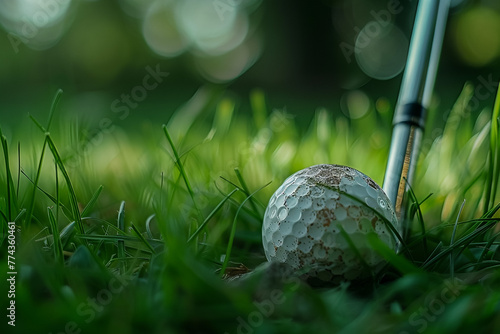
[318,220]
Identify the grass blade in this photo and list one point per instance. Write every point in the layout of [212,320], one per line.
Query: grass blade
[65,210]
[419,214]
[53,107]
[12,204]
[245,189]
[463,242]
[353,247]
[67,233]
[436,249]
[57,245]
[494,161]
[115,238]
[387,223]
[495,141]
[121,243]
[31,205]
[233,231]
[148,225]
[4,216]
[400,263]
[178,161]
[38,125]
[214,211]
[487,248]
[452,258]
[180,165]
[92,201]
[18,168]
[148,245]
[250,212]
[72,195]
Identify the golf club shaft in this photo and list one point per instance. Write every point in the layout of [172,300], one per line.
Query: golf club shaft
[414,98]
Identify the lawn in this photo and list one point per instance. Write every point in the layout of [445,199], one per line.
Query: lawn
[156,228]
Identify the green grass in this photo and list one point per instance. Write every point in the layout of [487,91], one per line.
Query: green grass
[135,236]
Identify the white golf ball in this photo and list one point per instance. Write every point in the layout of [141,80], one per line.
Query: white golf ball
[310,214]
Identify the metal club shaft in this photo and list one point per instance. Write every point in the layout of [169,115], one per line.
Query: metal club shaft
[414,97]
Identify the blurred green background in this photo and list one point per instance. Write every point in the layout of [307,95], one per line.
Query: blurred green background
[303,55]
[268,87]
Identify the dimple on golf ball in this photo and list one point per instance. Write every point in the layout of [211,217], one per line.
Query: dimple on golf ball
[318,219]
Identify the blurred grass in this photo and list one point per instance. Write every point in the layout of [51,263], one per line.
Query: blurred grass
[195,191]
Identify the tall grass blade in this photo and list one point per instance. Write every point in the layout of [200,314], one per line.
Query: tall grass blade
[485,251]
[20,215]
[57,203]
[435,251]
[353,247]
[18,168]
[494,170]
[462,242]
[452,257]
[485,218]
[214,211]
[387,223]
[138,233]
[113,239]
[245,189]
[57,245]
[53,107]
[121,243]
[420,216]
[4,216]
[65,210]
[40,126]
[92,201]
[233,231]
[67,233]
[400,263]
[494,157]
[180,165]
[148,225]
[12,205]
[245,209]
[31,205]
[72,195]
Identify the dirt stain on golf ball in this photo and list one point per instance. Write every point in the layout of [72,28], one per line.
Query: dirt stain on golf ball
[308,216]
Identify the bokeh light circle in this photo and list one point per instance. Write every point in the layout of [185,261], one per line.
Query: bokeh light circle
[230,65]
[381,50]
[39,24]
[355,104]
[161,31]
[476,36]
[209,30]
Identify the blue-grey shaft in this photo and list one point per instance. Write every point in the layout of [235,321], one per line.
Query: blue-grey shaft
[414,98]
